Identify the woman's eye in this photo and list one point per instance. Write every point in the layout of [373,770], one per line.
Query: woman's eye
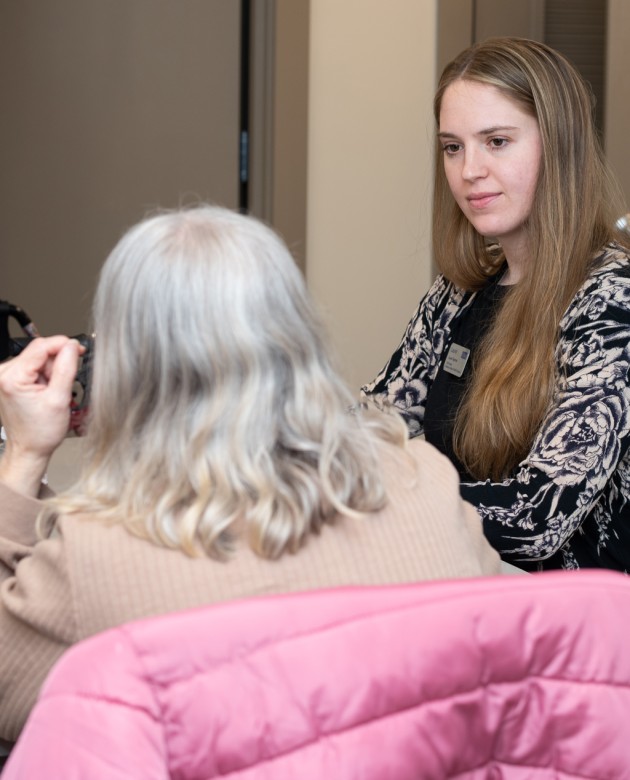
[451,148]
[498,143]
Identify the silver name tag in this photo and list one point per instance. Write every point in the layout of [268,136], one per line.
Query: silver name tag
[456,359]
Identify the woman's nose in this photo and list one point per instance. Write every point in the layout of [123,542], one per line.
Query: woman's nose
[474,164]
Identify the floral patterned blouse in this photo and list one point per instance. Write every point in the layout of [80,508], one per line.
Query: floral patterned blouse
[567,504]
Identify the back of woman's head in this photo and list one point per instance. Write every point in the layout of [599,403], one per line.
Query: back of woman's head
[197,306]
[215,405]
[576,202]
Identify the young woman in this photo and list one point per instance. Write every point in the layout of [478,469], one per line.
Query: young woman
[516,362]
[221,460]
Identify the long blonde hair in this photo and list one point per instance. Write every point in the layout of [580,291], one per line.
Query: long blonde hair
[573,216]
[216,409]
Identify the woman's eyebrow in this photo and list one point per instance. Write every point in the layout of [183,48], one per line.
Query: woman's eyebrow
[484,131]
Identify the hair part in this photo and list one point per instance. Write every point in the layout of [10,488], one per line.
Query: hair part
[216,411]
[573,216]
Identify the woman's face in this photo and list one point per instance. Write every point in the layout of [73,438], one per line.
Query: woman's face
[492,154]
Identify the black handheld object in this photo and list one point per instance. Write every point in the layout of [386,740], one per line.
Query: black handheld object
[84,372]
[10,346]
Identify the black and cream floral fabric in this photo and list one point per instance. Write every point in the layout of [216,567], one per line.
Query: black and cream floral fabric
[567,505]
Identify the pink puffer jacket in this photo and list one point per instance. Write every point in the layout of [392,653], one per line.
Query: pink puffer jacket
[512,677]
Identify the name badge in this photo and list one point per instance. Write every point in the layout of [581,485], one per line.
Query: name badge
[456,359]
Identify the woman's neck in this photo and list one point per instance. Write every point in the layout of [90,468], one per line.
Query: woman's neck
[511,276]
[516,257]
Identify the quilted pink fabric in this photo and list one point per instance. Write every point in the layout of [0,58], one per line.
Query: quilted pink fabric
[513,677]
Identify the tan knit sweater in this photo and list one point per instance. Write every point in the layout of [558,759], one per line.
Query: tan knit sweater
[88,577]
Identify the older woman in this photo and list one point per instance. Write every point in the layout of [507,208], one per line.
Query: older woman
[221,459]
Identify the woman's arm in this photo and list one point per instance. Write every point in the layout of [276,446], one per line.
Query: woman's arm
[584,437]
[37,618]
[37,621]
[18,534]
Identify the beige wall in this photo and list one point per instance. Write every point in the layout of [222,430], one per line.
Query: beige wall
[109,109]
[372,73]
[618,93]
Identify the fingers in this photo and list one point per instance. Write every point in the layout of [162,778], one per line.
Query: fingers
[33,359]
[36,361]
[39,354]
[64,368]
[45,371]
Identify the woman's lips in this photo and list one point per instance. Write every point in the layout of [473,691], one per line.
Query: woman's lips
[482,200]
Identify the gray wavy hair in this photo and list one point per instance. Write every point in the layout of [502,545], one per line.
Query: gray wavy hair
[215,408]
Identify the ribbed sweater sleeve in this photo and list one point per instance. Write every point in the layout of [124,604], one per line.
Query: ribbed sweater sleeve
[36,608]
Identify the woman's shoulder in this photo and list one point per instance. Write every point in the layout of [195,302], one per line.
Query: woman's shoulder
[425,501]
[612,261]
[421,462]
[443,300]
[444,289]
[606,288]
